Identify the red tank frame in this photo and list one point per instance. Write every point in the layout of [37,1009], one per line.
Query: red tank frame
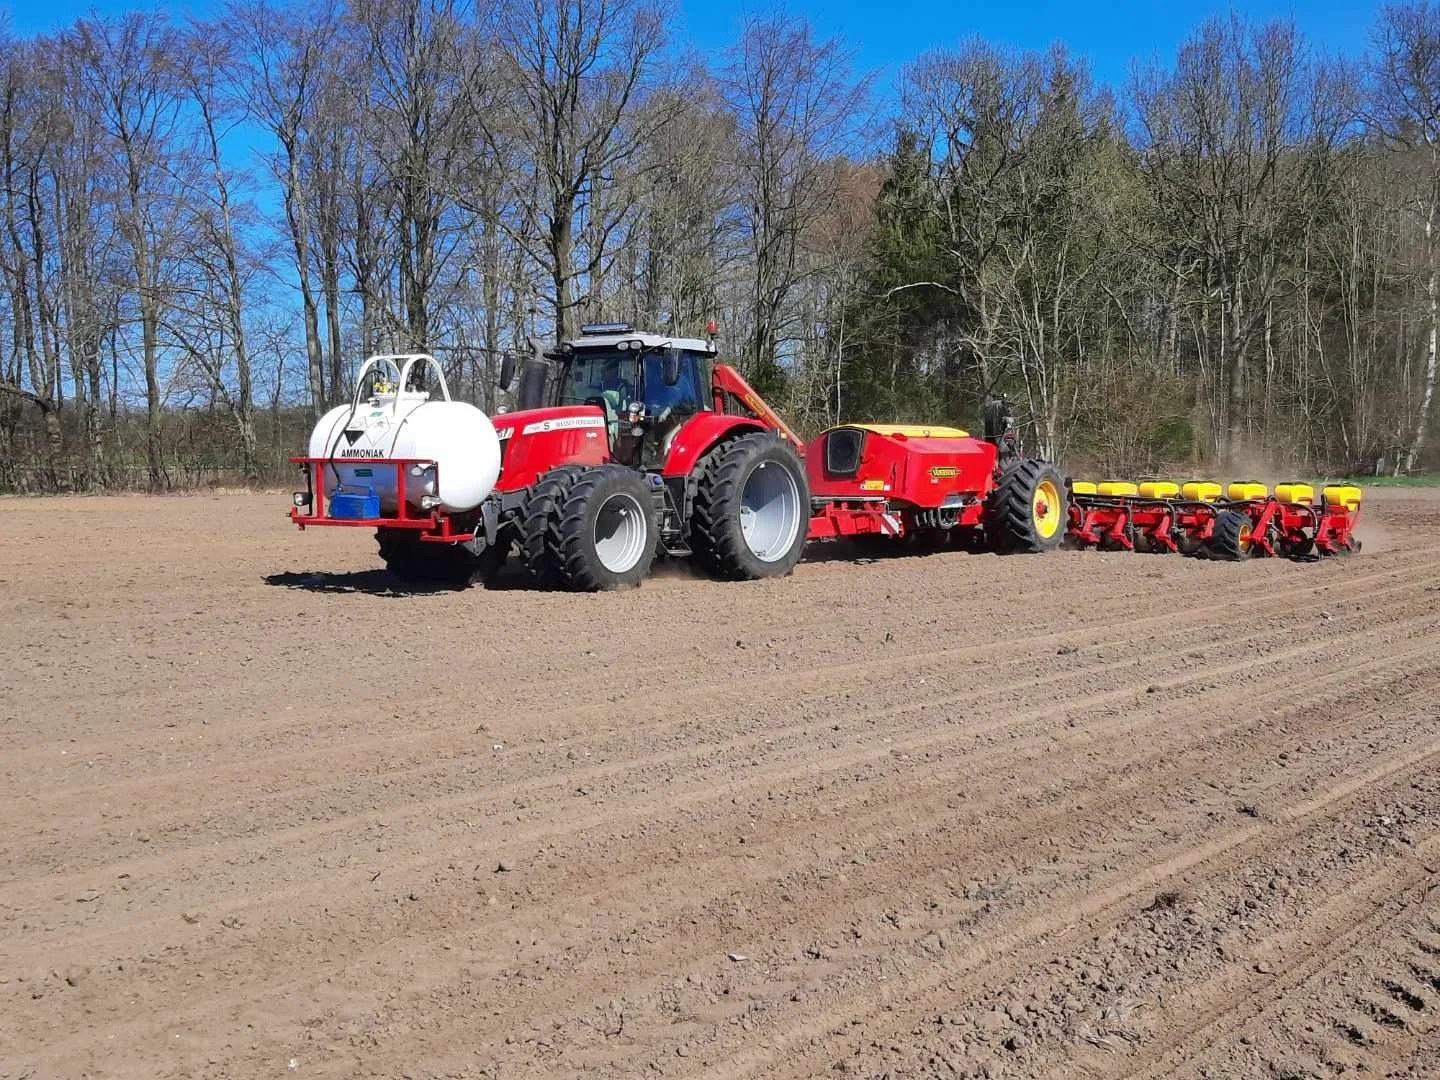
[436,525]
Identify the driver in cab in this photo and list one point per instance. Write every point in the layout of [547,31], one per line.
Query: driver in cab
[614,385]
[617,392]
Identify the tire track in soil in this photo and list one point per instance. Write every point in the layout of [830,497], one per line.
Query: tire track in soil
[695,754]
[1001,958]
[703,793]
[922,868]
[1376,994]
[1401,660]
[1128,619]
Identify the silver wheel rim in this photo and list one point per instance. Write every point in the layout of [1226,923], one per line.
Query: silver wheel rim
[770,511]
[620,533]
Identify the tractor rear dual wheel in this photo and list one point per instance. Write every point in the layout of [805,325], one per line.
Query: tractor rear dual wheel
[752,509]
[1027,510]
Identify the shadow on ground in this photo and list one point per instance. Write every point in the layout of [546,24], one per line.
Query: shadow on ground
[861,552]
[380,582]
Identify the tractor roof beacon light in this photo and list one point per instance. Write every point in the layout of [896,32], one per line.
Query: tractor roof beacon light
[595,329]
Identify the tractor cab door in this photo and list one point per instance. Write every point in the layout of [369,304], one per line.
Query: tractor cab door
[608,379]
[677,387]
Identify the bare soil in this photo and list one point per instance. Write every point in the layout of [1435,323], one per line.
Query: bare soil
[1075,815]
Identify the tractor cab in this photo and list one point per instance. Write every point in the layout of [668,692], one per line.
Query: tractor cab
[646,385]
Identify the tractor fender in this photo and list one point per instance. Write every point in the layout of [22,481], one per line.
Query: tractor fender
[700,434]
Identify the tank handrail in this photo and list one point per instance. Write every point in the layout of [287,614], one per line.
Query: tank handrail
[411,359]
[402,374]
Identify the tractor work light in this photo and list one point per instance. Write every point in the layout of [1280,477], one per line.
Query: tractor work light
[605,328]
[302,498]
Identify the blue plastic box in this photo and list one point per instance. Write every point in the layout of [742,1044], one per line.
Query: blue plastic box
[355,505]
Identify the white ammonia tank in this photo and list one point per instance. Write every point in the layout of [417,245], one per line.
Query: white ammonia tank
[387,422]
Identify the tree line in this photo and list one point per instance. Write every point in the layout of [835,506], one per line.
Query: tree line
[1229,261]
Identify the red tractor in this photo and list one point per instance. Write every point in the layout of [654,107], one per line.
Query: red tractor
[629,446]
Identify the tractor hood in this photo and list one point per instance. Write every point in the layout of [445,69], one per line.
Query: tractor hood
[534,441]
[552,418]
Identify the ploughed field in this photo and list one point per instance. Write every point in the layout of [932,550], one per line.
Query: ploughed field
[1080,814]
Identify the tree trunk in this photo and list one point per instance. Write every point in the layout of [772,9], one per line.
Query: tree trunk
[1427,393]
[150,335]
[296,217]
[562,253]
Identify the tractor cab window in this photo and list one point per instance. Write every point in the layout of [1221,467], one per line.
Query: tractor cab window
[617,377]
[688,396]
[600,373]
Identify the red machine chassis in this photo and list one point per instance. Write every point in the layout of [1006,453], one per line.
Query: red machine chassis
[1130,522]
[831,519]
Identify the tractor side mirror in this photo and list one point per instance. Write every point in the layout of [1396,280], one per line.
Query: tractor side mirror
[670,367]
[507,371]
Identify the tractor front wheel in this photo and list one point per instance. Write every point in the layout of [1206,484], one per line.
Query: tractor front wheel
[538,524]
[1027,511]
[1233,537]
[607,530]
[752,509]
[416,562]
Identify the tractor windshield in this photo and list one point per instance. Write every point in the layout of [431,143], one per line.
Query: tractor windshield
[618,377]
[600,373]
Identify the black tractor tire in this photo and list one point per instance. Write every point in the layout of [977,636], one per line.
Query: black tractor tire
[1017,514]
[1232,538]
[608,530]
[1299,548]
[416,562]
[538,524]
[778,510]
[491,561]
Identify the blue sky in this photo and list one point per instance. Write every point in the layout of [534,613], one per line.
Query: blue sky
[885,34]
